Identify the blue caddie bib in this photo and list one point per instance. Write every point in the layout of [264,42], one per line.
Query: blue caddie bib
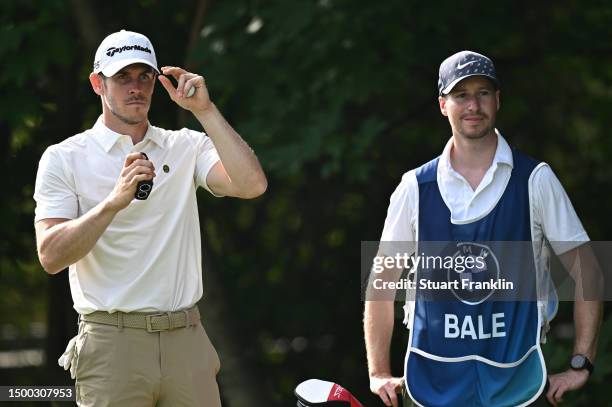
[475,347]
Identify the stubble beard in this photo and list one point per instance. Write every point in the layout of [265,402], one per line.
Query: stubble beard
[111,106]
[124,119]
[490,129]
[477,136]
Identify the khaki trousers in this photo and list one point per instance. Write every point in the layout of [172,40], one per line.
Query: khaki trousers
[133,367]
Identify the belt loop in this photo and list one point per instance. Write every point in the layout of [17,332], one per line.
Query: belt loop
[80,325]
[120,320]
[187,321]
[170,324]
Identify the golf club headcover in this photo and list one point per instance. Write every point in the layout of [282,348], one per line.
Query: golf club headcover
[315,392]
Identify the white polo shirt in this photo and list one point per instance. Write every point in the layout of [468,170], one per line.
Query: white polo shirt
[553,217]
[149,257]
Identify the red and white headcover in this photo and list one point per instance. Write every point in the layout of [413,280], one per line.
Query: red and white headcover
[315,392]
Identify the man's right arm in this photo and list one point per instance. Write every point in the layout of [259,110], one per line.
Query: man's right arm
[61,242]
[379,316]
[378,328]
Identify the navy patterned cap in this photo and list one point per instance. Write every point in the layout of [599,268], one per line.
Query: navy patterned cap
[462,65]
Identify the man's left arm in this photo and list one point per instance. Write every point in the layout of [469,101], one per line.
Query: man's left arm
[561,226]
[588,312]
[239,173]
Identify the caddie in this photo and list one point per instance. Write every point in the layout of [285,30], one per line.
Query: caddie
[473,347]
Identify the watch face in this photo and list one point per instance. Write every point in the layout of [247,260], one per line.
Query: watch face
[577,362]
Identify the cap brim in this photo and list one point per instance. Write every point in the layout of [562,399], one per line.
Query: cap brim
[451,85]
[115,67]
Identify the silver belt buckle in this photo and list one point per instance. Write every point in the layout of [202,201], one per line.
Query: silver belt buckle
[149,322]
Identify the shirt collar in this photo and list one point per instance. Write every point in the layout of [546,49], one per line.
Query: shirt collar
[107,137]
[503,154]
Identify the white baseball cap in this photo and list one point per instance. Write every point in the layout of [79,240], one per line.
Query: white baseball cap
[121,49]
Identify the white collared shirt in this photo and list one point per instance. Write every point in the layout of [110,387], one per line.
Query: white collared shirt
[553,217]
[552,212]
[149,257]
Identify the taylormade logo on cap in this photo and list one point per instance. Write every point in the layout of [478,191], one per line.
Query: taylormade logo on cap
[112,50]
[121,49]
[462,65]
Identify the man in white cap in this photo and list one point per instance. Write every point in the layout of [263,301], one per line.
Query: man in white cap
[480,197]
[117,205]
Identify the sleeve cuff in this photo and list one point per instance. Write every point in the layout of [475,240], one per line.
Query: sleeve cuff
[55,215]
[563,247]
[202,179]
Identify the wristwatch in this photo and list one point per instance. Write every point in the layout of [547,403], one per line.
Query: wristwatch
[579,362]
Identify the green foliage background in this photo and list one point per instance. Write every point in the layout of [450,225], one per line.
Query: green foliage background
[338,99]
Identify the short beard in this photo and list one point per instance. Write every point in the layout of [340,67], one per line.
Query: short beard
[123,118]
[480,135]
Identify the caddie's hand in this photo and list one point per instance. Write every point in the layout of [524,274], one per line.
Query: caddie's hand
[200,100]
[135,169]
[386,387]
[565,381]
